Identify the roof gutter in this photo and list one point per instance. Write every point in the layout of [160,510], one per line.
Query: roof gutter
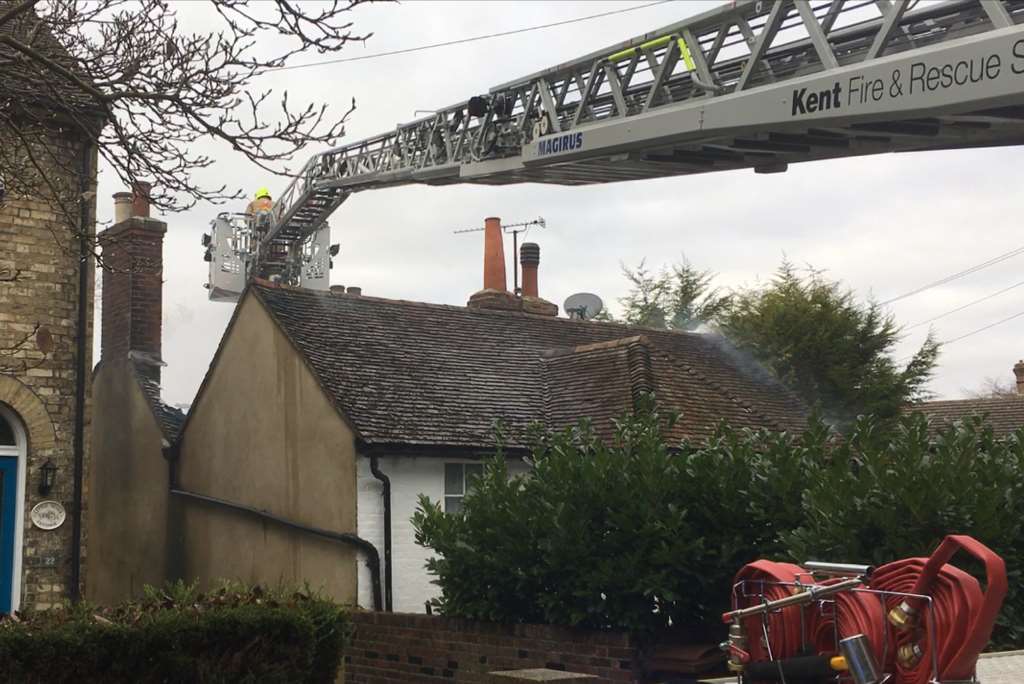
[438,450]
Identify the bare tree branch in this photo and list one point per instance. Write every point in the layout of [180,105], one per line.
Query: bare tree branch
[150,96]
[21,355]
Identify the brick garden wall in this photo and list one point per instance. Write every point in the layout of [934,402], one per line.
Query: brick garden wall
[402,647]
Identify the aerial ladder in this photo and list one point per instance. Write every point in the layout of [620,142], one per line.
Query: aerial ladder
[755,84]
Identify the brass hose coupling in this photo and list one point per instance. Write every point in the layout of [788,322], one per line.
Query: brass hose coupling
[909,655]
[903,617]
[736,647]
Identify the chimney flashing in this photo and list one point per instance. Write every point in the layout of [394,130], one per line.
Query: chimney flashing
[146,358]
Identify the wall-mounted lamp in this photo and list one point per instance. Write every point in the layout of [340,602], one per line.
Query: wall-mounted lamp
[47,476]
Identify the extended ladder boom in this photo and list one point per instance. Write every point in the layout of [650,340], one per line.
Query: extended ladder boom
[753,84]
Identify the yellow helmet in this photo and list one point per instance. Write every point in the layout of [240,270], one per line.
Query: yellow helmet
[262,192]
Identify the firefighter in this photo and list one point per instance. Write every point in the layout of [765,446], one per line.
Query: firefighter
[261,203]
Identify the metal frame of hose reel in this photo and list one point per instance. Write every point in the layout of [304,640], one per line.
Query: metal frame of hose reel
[751,593]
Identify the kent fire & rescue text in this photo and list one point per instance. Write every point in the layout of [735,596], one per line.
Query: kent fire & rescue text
[919,77]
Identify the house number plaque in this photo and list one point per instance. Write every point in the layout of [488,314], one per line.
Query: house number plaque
[48,515]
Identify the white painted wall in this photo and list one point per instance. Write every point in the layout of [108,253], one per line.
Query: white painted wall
[410,477]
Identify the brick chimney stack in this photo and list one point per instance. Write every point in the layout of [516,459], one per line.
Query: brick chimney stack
[133,283]
[495,294]
[1018,371]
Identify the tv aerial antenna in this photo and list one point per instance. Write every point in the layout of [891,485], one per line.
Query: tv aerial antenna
[515,229]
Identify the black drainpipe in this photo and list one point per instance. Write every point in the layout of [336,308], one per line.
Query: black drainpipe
[386,485]
[372,556]
[80,347]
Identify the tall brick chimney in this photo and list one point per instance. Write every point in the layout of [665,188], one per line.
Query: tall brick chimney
[133,283]
[1018,371]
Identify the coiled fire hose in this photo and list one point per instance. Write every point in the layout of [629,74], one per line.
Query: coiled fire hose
[901,633]
[963,615]
[769,579]
[853,613]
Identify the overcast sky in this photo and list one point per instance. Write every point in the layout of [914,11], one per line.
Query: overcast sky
[883,225]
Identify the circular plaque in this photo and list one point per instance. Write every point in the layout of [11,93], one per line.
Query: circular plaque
[48,515]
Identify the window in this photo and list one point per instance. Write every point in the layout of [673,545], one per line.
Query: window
[458,479]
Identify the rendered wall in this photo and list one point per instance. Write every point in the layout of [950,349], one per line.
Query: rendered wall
[128,483]
[409,477]
[263,434]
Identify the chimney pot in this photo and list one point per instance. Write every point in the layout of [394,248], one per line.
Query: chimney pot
[140,199]
[529,258]
[494,256]
[337,289]
[122,206]
[1018,371]
[353,290]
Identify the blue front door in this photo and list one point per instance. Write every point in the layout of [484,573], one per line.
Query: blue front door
[8,503]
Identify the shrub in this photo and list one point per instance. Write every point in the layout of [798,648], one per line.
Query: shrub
[634,535]
[623,535]
[234,634]
[884,496]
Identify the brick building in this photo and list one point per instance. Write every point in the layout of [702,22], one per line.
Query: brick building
[47,220]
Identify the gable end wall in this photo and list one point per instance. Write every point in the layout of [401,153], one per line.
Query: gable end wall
[263,434]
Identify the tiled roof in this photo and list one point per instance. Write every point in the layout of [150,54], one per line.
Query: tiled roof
[600,381]
[1004,414]
[33,84]
[167,417]
[411,373]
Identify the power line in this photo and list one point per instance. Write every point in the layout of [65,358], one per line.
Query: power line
[983,328]
[460,41]
[956,276]
[965,306]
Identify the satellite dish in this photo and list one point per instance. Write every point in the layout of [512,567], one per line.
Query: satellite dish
[583,305]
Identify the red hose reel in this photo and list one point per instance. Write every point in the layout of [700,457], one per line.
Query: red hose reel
[917,620]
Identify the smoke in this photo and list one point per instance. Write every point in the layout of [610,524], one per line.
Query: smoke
[746,362]
[741,358]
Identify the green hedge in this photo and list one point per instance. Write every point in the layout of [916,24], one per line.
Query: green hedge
[234,634]
[636,534]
